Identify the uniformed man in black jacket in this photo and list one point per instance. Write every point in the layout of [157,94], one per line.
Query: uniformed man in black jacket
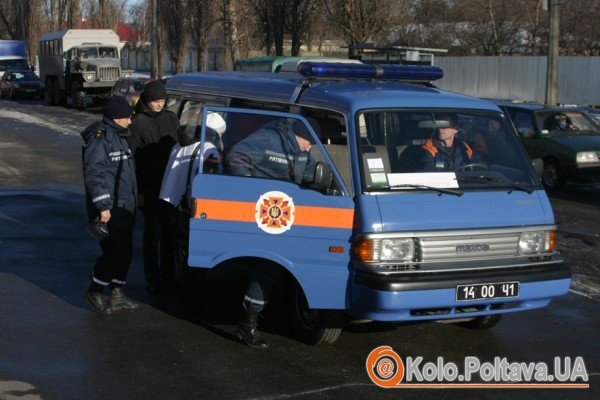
[110,187]
[153,134]
[278,150]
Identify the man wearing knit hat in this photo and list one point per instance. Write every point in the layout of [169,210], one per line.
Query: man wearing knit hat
[153,134]
[110,187]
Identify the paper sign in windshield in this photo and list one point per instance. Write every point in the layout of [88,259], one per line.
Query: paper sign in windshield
[433,179]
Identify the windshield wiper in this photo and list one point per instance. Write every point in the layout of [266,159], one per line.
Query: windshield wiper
[439,190]
[482,179]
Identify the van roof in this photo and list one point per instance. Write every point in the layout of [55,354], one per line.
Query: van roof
[334,94]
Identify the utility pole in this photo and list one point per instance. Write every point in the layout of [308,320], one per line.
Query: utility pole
[154,44]
[552,73]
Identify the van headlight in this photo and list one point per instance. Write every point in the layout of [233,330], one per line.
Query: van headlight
[400,250]
[537,242]
[587,157]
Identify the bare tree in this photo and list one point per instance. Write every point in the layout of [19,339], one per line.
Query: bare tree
[104,13]
[62,14]
[299,18]
[228,13]
[490,27]
[579,34]
[262,13]
[201,20]
[172,21]
[358,20]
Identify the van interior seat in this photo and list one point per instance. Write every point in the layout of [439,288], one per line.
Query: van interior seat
[410,151]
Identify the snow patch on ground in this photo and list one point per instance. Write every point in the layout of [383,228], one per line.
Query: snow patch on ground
[56,122]
[584,286]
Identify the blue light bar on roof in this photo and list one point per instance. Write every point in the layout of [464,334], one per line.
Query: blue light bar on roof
[369,71]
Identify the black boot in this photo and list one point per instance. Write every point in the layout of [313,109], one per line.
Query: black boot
[247,332]
[97,302]
[118,300]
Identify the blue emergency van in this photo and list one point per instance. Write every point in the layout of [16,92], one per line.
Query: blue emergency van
[385,231]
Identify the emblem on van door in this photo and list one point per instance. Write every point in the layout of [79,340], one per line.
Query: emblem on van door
[274,212]
[472,248]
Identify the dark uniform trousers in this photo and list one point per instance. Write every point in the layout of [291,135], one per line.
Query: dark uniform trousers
[158,246]
[112,266]
[262,282]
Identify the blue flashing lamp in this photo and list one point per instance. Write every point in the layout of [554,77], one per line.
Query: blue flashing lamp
[369,71]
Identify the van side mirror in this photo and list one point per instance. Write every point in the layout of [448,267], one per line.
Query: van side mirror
[323,176]
[538,166]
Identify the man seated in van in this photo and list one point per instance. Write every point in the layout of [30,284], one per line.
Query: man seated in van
[444,151]
[277,150]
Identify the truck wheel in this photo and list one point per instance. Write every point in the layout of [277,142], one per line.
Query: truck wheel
[553,178]
[78,96]
[314,326]
[483,322]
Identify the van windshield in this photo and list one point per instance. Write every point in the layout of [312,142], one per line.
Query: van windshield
[428,149]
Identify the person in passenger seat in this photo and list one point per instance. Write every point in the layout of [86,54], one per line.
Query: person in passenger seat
[277,150]
[444,151]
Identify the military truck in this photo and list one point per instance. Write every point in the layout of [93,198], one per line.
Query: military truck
[80,63]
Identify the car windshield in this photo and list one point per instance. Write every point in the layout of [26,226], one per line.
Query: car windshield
[431,149]
[23,76]
[86,53]
[139,86]
[107,52]
[567,120]
[6,65]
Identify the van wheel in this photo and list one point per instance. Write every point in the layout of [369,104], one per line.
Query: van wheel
[483,322]
[314,326]
[78,96]
[553,178]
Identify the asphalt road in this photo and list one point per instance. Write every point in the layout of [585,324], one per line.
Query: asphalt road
[52,347]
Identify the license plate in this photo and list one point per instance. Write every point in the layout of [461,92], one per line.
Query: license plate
[487,291]
[30,90]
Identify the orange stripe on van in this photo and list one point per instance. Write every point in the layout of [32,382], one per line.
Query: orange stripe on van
[243,211]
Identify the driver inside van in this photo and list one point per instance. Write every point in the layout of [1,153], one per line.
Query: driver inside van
[444,151]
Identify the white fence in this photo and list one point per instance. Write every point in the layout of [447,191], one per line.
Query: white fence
[522,78]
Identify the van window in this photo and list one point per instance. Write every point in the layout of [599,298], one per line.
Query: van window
[264,145]
[397,145]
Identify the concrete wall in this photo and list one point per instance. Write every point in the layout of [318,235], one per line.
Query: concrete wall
[522,78]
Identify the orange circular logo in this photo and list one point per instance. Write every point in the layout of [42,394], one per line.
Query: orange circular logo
[274,212]
[384,366]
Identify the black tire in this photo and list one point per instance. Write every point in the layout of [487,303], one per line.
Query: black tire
[553,177]
[314,326]
[483,322]
[78,96]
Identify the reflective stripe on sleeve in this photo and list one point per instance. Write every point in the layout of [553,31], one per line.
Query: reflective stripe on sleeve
[251,300]
[104,196]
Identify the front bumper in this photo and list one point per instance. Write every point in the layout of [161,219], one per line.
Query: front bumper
[426,296]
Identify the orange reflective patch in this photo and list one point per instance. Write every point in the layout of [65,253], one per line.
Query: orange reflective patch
[243,211]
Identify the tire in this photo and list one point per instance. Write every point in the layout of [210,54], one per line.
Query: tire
[553,177]
[482,323]
[314,326]
[78,96]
